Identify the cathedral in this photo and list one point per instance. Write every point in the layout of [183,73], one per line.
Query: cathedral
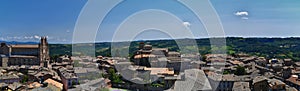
[24,54]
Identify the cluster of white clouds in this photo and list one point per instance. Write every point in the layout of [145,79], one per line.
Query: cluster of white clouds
[33,38]
[242,14]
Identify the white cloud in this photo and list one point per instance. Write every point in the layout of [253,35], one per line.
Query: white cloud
[241,13]
[186,24]
[37,37]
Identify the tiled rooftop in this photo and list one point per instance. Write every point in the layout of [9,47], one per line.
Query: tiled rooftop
[54,83]
[24,46]
[241,86]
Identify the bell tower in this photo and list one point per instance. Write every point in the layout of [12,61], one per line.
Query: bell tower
[44,52]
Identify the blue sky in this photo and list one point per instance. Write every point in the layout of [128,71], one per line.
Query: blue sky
[27,20]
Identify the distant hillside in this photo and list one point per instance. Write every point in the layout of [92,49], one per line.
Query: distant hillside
[267,47]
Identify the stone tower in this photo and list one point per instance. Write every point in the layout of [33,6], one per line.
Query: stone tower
[44,52]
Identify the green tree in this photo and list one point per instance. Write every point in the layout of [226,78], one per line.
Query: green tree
[226,72]
[115,78]
[25,79]
[74,83]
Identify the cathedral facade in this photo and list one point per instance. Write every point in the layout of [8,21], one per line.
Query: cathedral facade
[21,54]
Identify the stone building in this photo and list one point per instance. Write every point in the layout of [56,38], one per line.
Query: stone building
[146,55]
[24,54]
[221,82]
[162,57]
[68,78]
[260,83]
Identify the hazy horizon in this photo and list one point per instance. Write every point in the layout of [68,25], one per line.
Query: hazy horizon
[37,41]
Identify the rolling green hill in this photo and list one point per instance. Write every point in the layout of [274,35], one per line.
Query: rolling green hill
[267,47]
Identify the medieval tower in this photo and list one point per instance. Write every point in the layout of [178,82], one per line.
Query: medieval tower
[44,52]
